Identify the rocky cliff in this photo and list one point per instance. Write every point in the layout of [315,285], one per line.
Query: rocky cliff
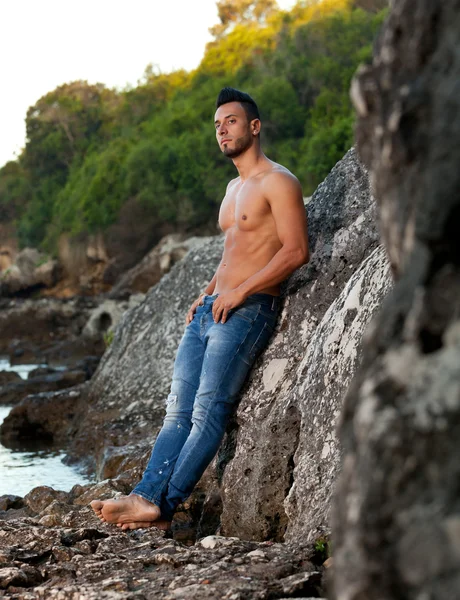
[397,512]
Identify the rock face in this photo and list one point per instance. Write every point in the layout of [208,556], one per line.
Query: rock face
[397,507]
[286,457]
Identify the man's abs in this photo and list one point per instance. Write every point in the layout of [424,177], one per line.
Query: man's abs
[244,255]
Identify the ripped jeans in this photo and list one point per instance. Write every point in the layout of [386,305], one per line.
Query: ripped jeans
[212,362]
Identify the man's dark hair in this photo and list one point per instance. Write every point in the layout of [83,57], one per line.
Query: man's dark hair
[229,94]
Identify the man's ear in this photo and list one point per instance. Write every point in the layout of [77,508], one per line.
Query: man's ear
[255,126]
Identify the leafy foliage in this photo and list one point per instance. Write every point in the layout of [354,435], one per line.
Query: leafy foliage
[92,151]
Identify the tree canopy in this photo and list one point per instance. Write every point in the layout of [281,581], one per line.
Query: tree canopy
[91,150]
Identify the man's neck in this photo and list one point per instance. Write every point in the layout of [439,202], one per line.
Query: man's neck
[250,163]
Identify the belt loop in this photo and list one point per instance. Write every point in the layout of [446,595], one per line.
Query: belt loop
[273,303]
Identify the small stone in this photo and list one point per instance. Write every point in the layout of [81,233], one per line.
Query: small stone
[256,554]
[164,559]
[214,541]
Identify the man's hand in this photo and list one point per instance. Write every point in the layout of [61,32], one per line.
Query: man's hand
[192,309]
[224,302]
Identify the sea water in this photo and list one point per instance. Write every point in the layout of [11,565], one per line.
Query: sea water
[22,469]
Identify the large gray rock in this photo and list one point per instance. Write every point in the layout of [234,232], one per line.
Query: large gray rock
[397,515]
[286,457]
[332,356]
[104,319]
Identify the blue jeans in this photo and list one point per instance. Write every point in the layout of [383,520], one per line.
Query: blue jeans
[212,362]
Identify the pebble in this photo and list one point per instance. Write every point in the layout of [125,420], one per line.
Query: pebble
[256,554]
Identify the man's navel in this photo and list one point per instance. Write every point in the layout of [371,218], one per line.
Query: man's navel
[244,217]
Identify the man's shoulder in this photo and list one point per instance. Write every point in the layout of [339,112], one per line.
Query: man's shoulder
[279,177]
[233,182]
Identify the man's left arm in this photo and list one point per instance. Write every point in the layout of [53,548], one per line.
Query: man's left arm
[284,194]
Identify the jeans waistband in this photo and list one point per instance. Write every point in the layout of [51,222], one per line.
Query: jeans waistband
[267,299]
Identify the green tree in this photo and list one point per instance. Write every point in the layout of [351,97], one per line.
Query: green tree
[231,12]
[15,191]
[92,153]
[61,126]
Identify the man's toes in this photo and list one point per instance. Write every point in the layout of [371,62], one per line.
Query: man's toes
[97,505]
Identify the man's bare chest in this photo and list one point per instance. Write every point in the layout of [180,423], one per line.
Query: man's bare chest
[244,207]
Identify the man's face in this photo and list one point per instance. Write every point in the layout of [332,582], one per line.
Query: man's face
[233,131]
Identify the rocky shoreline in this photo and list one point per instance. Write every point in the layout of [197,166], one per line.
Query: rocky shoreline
[350,419]
[256,489]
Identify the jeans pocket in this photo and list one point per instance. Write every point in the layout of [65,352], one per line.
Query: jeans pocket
[245,313]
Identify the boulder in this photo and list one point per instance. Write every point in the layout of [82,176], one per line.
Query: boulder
[8,377]
[40,497]
[106,317]
[281,470]
[8,501]
[155,264]
[14,392]
[396,517]
[46,417]
[31,270]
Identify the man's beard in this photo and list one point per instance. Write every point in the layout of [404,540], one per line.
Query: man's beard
[241,145]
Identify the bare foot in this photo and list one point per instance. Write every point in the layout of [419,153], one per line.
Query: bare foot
[163,525]
[128,509]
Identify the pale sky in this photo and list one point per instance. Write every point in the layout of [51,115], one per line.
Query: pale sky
[46,43]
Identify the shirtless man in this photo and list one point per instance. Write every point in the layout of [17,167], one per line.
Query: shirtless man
[228,325]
